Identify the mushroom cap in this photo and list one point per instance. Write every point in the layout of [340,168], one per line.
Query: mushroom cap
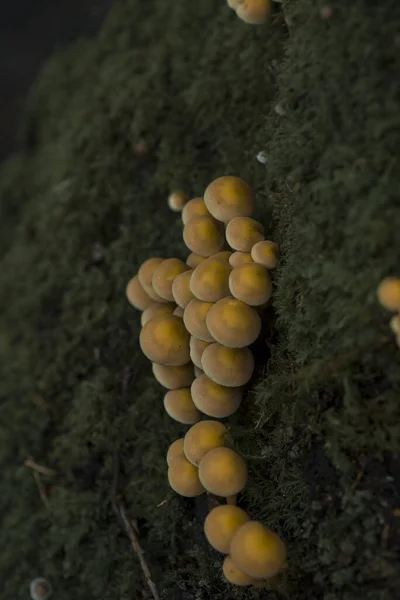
[40,589]
[175,450]
[240,258]
[251,284]
[136,295]
[265,253]
[156,309]
[233,3]
[164,275]
[197,348]
[234,575]
[394,325]
[184,479]
[194,259]
[145,274]
[242,233]
[181,288]
[194,318]
[258,551]
[229,197]
[203,235]
[221,524]
[230,367]
[180,406]
[223,254]
[254,12]
[177,200]
[233,323]
[203,437]
[210,279]
[194,208]
[213,399]
[223,472]
[389,293]
[178,312]
[165,341]
[174,378]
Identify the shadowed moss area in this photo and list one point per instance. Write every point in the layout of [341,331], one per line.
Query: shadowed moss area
[80,212]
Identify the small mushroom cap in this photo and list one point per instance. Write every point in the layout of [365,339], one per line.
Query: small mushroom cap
[145,275]
[221,524]
[40,589]
[180,406]
[194,318]
[233,323]
[181,288]
[254,12]
[174,378]
[165,341]
[251,284]
[240,258]
[194,259]
[389,293]
[210,280]
[230,367]
[223,472]
[175,450]
[183,477]
[224,255]
[203,235]
[164,275]
[136,295]
[213,399]
[242,233]
[394,325]
[197,348]
[203,437]
[258,551]
[194,208]
[234,575]
[177,200]
[178,312]
[229,197]
[156,309]
[198,372]
[233,3]
[265,253]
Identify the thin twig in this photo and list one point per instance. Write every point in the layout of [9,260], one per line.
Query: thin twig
[39,468]
[41,488]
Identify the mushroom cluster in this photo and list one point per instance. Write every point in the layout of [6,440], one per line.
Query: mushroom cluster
[389,297]
[199,318]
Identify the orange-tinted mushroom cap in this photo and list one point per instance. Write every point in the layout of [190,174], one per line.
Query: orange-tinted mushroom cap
[251,284]
[136,295]
[177,200]
[240,258]
[242,233]
[165,341]
[223,472]
[194,318]
[145,275]
[175,450]
[229,197]
[194,208]
[213,399]
[184,479]
[203,437]
[210,279]
[389,293]
[181,288]
[203,235]
[221,524]
[254,12]
[180,406]
[234,575]
[194,259]
[233,323]
[164,275]
[231,367]
[174,378]
[156,309]
[265,253]
[197,348]
[223,254]
[258,551]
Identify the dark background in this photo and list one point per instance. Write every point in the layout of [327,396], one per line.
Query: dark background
[30,30]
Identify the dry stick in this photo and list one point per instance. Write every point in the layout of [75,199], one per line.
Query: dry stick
[41,488]
[39,468]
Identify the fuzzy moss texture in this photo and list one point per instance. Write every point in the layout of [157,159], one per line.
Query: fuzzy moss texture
[80,212]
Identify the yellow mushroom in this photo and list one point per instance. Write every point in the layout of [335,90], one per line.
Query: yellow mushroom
[254,12]
[145,275]
[251,284]
[178,312]
[180,406]
[394,325]
[229,197]
[242,233]
[240,258]
[156,309]
[197,348]
[265,253]
[389,293]
[183,477]
[230,367]
[233,323]
[164,275]
[234,575]
[194,318]
[223,472]
[203,437]
[181,288]
[258,551]
[165,341]
[223,254]
[194,208]
[174,378]
[177,200]
[210,280]
[203,235]
[221,524]
[175,450]
[194,259]
[136,295]
[213,399]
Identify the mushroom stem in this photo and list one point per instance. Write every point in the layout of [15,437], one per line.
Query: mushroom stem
[231,500]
